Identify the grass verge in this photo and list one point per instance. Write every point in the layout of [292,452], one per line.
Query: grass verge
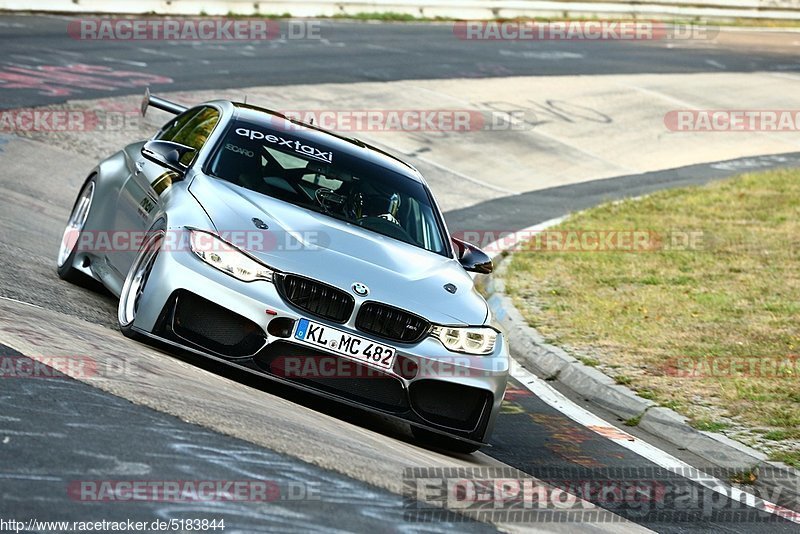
[705,324]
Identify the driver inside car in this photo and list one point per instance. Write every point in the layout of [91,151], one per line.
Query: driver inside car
[376,205]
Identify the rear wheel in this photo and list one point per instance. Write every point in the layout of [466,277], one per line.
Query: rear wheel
[132,291]
[438,441]
[72,234]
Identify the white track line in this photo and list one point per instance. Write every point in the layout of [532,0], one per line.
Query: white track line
[585,418]
[21,302]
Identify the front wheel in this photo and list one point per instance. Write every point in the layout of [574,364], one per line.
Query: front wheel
[438,441]
[72,234]
[136,281]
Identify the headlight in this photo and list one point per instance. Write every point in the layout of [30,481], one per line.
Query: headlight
[471,340]
[227,258]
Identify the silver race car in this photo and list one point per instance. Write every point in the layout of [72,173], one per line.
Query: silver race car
[316,260]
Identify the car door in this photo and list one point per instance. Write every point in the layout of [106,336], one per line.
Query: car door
[141,197]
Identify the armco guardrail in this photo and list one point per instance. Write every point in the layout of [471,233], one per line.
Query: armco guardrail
[460,9]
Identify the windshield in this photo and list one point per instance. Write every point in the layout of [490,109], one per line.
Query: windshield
[276,164]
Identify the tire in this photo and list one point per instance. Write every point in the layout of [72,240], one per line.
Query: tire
[72,233]
[136,280]
[438,441]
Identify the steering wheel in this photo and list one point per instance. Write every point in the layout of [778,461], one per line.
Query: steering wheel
[389,217]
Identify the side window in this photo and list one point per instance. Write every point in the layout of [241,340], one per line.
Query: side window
[174,126]
[192,129]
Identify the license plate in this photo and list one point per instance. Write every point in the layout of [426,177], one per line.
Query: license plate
[346,344]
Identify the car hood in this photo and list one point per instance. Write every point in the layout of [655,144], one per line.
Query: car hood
[340,254]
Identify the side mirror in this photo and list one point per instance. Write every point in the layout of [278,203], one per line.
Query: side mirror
[472,258]
[167,154]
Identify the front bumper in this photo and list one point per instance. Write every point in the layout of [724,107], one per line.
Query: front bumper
[189,305]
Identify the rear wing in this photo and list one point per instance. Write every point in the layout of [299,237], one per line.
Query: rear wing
[160,103]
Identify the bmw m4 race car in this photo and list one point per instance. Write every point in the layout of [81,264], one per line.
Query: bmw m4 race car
[313,259]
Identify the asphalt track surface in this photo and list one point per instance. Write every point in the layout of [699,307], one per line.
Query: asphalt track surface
[345,52]
[122,441]
[60,430]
